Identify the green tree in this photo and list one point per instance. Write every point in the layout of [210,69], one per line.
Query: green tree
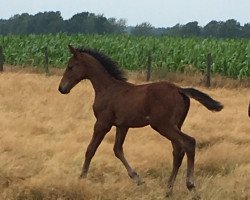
[212,29]
[18,24]
[143,29]
[115,26]
[230,29]
[3,27]
[174,31]
[100,24]
[81,23]
[191,29]
[246,31]
[47,22]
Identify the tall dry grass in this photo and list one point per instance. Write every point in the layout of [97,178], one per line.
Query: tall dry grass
[43,137]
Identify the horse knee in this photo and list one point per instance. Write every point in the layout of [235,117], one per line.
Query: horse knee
[178,151]
[178,154]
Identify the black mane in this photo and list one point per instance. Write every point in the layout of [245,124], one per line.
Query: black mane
[109,64]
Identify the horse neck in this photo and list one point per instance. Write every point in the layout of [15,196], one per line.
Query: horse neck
[100,78]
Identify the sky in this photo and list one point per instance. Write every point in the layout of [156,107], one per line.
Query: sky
[159,13]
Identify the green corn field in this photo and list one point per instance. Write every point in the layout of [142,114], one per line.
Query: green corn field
[230,57]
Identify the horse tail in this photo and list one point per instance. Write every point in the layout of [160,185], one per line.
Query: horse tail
[203,98]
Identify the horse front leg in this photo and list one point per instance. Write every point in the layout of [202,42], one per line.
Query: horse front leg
[100,130]
[121,133]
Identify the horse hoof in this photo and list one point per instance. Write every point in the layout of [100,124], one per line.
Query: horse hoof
[190,186]
[140,182]
[196,197]
[83,176]
[169,193]
[136,178]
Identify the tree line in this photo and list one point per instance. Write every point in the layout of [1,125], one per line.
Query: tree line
[52,22]
[89,23]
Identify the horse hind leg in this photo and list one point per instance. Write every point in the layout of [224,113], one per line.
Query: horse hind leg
[189,147]
[178,151]
[184,143]
[178,154]
[190,184]
[118,150]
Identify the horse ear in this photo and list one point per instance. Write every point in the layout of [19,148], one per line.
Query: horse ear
[72,50]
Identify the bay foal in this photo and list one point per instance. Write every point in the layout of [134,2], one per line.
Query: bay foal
[162,105]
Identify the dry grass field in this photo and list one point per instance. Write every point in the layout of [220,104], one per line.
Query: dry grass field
[44,135]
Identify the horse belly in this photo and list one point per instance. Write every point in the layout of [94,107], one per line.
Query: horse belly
[132,118]
[132,123]
[131,109]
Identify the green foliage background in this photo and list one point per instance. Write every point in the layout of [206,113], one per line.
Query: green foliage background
[231,57]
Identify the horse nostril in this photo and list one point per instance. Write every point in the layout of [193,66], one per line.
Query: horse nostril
[60,89]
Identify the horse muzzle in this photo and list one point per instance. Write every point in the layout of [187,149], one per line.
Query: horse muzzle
[63,90]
